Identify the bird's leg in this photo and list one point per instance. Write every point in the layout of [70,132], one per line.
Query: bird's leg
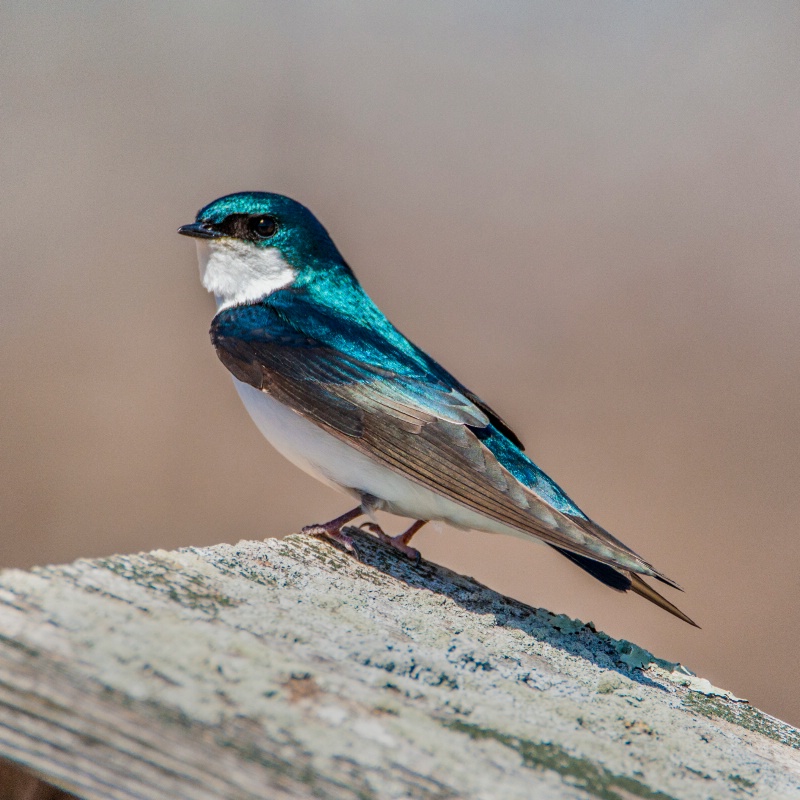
[399,542]
[333,529]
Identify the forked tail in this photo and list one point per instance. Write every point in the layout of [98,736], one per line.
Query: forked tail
[624,581]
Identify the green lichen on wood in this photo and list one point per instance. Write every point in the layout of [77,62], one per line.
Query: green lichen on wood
[740,781]
[743,715]
[183,587]
[578,772]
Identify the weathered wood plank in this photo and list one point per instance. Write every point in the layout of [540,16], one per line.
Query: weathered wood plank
[288,669]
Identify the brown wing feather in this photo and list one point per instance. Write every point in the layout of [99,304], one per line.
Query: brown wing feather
[441,455]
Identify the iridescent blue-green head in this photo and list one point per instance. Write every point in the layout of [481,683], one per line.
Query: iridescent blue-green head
[252,243]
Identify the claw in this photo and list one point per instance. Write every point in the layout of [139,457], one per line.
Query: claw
[333,530]
[399,542]
[372,527]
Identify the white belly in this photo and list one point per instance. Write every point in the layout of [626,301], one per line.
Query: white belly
[343,467]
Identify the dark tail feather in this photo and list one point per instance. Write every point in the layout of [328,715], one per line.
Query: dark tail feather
[649,593]
[604,573]
[623,582]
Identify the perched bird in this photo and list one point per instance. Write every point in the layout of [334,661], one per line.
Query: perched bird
[340,392]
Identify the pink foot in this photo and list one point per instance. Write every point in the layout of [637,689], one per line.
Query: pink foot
[399,542]
[333,530]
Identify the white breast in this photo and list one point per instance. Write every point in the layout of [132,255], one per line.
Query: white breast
[337,464]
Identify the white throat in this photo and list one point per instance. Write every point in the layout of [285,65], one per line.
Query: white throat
[237,272]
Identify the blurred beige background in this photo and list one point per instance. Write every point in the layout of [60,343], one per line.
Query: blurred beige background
[588,212]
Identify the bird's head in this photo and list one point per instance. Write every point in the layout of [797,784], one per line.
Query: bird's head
[252,243]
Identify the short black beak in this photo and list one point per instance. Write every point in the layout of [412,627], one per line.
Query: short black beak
[199,231]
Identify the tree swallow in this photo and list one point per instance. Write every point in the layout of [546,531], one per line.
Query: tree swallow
[340,392]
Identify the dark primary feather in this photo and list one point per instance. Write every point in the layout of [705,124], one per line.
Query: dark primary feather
[400,407]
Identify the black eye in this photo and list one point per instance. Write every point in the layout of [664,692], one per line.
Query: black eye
[262,227]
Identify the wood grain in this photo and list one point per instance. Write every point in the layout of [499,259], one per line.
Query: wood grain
[286,668]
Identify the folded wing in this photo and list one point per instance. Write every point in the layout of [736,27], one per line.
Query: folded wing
[417,424]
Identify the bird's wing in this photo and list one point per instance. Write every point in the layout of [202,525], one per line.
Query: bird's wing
[417,425]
